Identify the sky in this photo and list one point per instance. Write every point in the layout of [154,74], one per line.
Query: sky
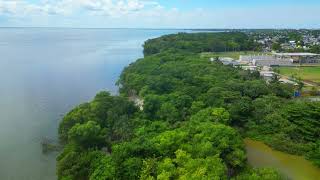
[160,13]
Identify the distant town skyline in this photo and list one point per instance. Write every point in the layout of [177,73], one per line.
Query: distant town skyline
[160,13]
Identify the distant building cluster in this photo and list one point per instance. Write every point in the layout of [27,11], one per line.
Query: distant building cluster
[281,59]
[227,61]
[286,40]
[278,48]
[299,58]
[264,62]
[274,59]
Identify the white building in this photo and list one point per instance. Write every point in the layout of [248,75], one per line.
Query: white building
[266,60]
[251,68]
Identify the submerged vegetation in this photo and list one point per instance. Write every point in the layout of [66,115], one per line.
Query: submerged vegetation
[194,118]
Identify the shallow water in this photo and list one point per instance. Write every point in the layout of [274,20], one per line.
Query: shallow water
[293,167]
[44,72]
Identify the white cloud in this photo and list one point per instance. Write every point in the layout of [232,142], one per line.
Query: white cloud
[149,13]
[69,7]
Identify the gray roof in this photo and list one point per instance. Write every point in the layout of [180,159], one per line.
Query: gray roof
[296,54]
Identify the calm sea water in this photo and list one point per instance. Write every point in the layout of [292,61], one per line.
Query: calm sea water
[43,74]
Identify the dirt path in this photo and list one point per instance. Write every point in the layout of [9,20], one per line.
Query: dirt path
[307,83]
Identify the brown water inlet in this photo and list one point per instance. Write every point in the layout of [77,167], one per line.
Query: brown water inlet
[291,166]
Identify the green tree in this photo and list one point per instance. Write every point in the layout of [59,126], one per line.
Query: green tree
[217,115]
[221,115]
[183,166]
[168,112]
[196,106]
[314,154]
[75,164]
[87,135]
[104,170]
[152,105]
[260,174]
[80,114]
[276,47]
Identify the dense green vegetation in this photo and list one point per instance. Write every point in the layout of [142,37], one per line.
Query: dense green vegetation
[200,42]
[194,118]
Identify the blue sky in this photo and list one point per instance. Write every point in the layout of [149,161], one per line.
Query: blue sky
[161,13]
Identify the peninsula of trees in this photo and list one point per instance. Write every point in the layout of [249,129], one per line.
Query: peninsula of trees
[194,117]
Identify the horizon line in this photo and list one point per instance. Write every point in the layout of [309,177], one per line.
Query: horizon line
[60,27]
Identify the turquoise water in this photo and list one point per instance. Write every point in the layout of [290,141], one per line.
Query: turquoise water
[43,74]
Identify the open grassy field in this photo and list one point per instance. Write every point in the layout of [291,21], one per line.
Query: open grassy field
[235,55]
[305,73]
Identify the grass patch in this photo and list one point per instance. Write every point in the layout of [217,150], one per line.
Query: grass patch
[305,73]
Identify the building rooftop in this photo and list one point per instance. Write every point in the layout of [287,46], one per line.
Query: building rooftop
[296,54]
